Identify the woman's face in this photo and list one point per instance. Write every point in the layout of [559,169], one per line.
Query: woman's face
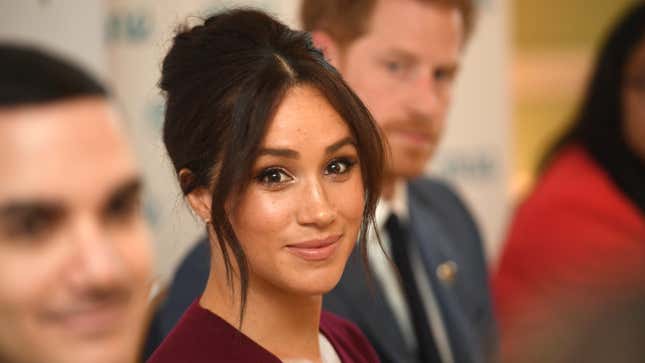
[299,218]
[634,102]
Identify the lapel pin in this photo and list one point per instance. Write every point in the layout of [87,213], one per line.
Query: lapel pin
[447,272]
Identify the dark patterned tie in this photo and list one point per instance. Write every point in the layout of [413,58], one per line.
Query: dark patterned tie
[400,245]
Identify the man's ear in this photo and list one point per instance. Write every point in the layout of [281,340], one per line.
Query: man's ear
[199,199]
[328,45]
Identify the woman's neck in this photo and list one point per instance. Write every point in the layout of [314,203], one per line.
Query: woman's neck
[286,325]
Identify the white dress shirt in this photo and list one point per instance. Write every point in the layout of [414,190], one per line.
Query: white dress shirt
[388,278]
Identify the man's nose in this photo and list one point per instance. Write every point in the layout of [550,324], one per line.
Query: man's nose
[424,100]
[96,262]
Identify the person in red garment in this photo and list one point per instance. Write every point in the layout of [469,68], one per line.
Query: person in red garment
[282,163]
[580,235]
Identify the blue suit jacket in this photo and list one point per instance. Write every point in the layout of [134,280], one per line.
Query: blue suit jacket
[445,232]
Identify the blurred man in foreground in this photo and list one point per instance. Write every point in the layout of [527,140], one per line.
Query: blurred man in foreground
[75,259]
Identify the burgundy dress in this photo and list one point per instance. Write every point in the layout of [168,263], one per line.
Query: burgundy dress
[201,337]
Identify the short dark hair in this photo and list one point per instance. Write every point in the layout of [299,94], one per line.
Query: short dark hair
[346,21]
[30,76]
[223,81]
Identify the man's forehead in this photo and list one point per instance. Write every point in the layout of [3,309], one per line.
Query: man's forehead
[58,115]
[412,22]
[58,149]
[50,128]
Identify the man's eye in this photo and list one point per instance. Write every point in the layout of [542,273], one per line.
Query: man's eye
[339,166]
[31,226]
[444,75]
[123,207]
[394,66]
[273,176]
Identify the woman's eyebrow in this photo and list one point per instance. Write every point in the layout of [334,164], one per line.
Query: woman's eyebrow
[293,154]
[339,144]
[287,153]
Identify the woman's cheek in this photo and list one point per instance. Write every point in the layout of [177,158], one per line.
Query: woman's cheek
[350,199]
[262,213]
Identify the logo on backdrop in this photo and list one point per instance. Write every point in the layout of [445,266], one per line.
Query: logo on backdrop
[474,165]
[129,25]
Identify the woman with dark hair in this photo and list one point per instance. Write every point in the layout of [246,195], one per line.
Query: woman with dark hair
[581,233]
[282,162]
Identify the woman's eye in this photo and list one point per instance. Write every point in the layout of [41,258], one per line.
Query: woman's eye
[339,166]
[273,176]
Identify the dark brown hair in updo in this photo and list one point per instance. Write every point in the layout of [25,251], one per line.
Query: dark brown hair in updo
[223,81]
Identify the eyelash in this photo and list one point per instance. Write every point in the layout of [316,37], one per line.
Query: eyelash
[349,164]
[264,176]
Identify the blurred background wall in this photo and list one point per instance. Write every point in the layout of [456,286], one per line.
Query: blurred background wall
[475,153]
[72,28]
[553,46]
[522,74]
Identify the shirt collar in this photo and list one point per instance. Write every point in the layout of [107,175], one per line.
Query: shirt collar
[397,205]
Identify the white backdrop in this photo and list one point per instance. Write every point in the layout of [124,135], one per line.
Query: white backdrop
[124,41]
[72,28]
[476,150]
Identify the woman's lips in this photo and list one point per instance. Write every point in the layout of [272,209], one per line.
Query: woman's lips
[317,249]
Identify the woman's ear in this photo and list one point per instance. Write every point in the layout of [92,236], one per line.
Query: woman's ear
[328,45]
[200,198]
[200,201]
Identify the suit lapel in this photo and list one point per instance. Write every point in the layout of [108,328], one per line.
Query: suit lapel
[378,320]
[425,227]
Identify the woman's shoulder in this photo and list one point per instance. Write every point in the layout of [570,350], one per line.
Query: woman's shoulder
[572,165]
[201,336]
[348,340]
[575,182]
